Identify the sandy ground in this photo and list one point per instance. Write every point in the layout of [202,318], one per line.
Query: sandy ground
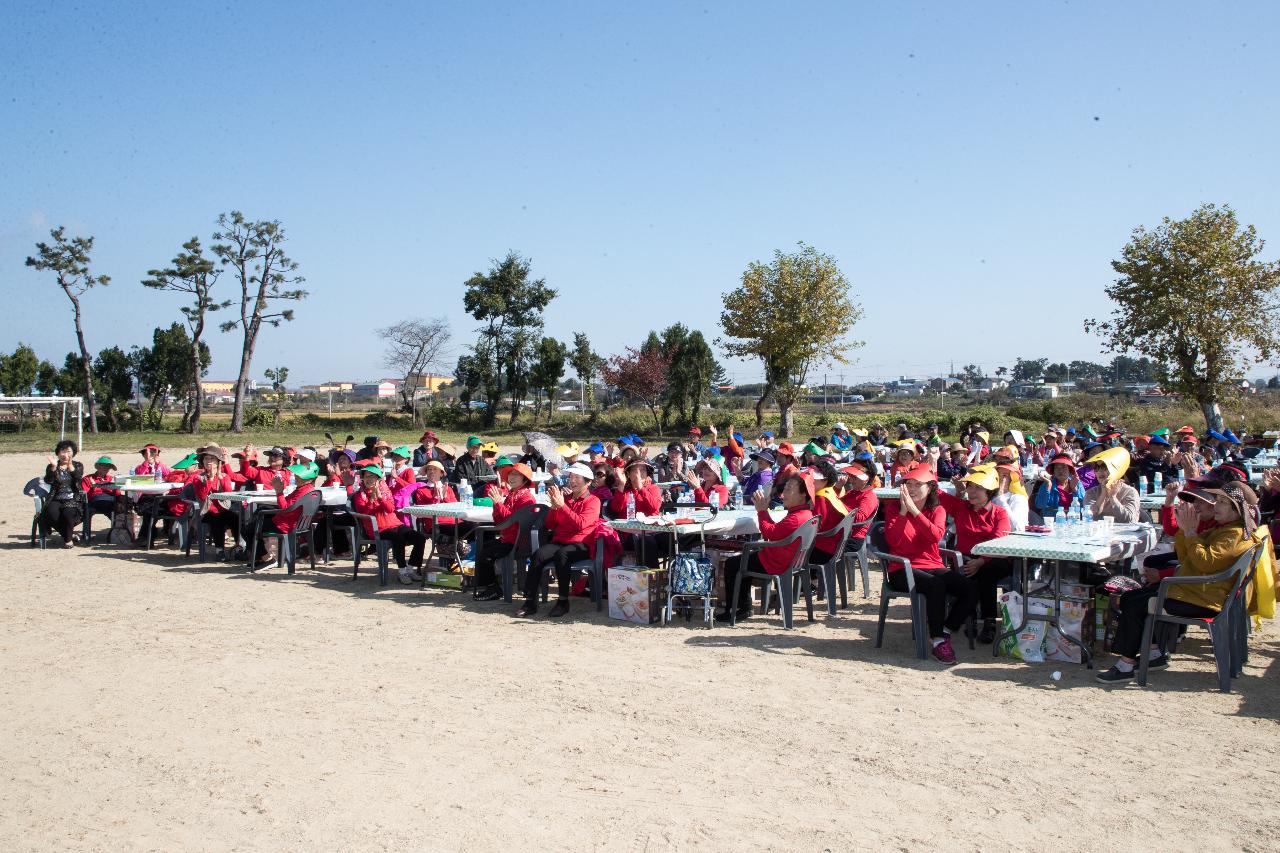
[151,703]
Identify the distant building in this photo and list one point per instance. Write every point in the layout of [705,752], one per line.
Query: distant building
[905,387]
[428,383]
[380,390]
[991,383]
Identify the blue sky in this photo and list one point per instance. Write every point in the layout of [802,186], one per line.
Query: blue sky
[979,160]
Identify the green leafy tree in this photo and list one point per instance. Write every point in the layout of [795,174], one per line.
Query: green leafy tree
[254,252]
[163,372]
[48,380]
[693,367]
[113,383]
[19,371]
[547,370]
[1057,372]
[191,273]
[586,364]
[1193,296]
[791,314]
[510,306]
[68,259]
[1029,370]
[277,376]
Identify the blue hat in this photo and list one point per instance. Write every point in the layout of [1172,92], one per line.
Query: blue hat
[1071,431]
[865,455]
[1231,436]
[712,452]
[1159,440]
[737,436]
[636,440]
[596,448]
[1091,444]
[1216,436]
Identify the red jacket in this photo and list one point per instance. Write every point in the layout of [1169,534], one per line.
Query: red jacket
[426,495]
[287,519]
[93,490]
[382,508]
[407,477]
[914,537]
[504,510]
[203,488]
[974,526]
[864,505]
[721,491]
[776,560]
[648,500]
[575,521]
[254,476]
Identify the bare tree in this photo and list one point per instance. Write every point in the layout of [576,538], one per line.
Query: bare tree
[255,252]
[413,347]
[69,261]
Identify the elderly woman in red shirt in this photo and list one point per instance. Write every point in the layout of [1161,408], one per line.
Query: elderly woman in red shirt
[374,498]
[519,495]
[214,477]
[797,498]
[914,524]
[572,527]
[978,519]
[648,501]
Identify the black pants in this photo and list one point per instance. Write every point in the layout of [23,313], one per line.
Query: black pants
[62,516]
[731,566]
[559,556]
[400,537]
[1167,560]
[332,533]
[935,586]
[987,580]
[1133,616]
[651,547]
[487,557]
[102,505]
[219,523]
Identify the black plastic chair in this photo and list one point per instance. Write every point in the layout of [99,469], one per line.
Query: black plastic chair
[86,526]
[798,568]
[1228,630]
[879,548]
[593,568]
[181,522]
[832,574]
[288,542]
[358,538]
[529,519]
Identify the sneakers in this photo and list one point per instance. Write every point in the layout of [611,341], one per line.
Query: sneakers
[560,608]
[407,576]
[1115,675]
[943,653]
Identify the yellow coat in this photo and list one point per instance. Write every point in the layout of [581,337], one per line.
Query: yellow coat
[1208,554]
[1262,598]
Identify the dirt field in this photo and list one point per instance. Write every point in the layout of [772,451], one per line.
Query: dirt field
[152,703]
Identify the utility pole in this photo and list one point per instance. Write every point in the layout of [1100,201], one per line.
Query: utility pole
[824,392]
[842,392]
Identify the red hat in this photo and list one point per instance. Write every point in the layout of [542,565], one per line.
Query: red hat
[147,447]
[786,448]
[1188,437]
[694,431]
[921,473]
[1186,430]
[524,471]
[291,452]
[428,435]
[1062,459]
[806,480]
[240,454]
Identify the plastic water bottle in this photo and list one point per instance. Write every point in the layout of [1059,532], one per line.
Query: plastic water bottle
[465,495]
[1059,523]
[714,500]
[1086,519]
[631,506]
[1157,481]
[736,497]
[542,487]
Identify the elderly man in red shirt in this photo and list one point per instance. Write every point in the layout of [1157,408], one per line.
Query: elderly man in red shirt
[572,527]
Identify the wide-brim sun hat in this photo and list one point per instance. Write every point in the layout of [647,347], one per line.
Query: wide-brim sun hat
[106,460]
[581,470]
[214,450]
[524,471]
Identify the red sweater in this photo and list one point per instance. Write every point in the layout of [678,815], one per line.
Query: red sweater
[204,487]
[863,505]
[974,526]
[721,491]
[575,521]
[514,501]
[830,517]
[407,477]
[253,476]
[426,495]
[382,508]
[290,514]
[914,537]
[92,489]
[648,500]
[776,560]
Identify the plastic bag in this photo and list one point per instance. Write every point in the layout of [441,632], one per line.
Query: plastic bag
[1027,644]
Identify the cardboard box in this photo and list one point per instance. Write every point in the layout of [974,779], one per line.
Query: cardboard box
[636,594]
[444,580]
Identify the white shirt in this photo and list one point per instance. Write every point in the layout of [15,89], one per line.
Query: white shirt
[1017,508]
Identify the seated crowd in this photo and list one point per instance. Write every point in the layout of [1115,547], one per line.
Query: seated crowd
[1208,506]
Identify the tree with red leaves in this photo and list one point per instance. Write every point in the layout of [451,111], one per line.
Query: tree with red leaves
[643,375]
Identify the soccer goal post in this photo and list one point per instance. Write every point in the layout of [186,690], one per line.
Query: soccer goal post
[15,411]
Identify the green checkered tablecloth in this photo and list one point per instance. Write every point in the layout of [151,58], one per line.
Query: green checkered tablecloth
[1125,539]
[456,509]
[894,491]
[727,522]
